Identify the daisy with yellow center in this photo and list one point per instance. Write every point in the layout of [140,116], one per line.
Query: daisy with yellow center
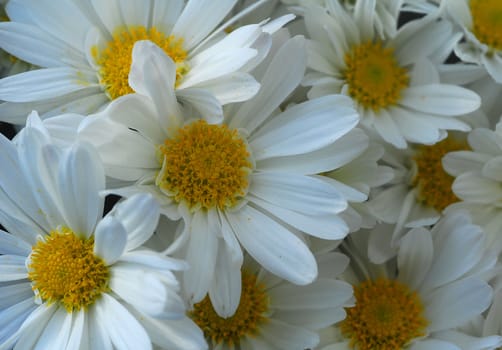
[233,183]
[420,191]
[66,272]
[481,21]
[85,59]
[275,313]
[384,76]
[401,304]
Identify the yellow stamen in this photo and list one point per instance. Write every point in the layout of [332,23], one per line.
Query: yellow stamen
[116,58]
[374,76]
[387,316]
[205,166]
[247,320]
[432,182]
[64,269]
[487,22]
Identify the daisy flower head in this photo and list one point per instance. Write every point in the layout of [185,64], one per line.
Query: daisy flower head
[235,183]
[417,195]
[85,52]
[433,286]
[477,180]
[482,27]
[70,279]
[275,314]
[392,81]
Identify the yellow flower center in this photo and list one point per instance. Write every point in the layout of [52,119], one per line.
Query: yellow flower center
[487,22]
[205,166]
[374,76]
[247,320]
[64,269]
[432,182]
[387,316]
[116,58]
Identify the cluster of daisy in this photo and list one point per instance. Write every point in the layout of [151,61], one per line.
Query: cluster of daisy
[253,174]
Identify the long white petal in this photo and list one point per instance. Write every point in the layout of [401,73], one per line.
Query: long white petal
[273,246]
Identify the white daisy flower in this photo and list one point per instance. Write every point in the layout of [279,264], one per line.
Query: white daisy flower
[275,314]
[478,179]
[84,49]
[419,192]
[479,19]
[433,286]
[238,182]
[393,83]
[70,279]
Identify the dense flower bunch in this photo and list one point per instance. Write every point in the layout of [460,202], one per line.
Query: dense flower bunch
[247,175]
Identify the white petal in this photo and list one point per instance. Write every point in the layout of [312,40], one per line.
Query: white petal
[81,178]
[334,156]
[456,303]
[327,226]
[304,194]
[145,292]
[153,74]
[278,82]
[139,215]
[415,257]
[387,129]
[175,334]
[204,102]
[216,66]
[317,295]
[201,255]
[305,127]
[110,239]
[138,112]
[12,318]
[43,84]
[199,18]
[441,99]
[12,245]
[78,336]
[273,246]
[476,189]
[12,267]
[457,249]
[433,344]
[13,294]
[123,329]
[34,325]
[234,87]
[493,169]
[225,289]
[30,44]
[285,336]
[57,331]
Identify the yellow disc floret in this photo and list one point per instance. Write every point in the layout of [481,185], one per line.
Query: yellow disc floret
[247,320]
[487,22]
[387,316]
[64,269]
[116,58]
[433,184]
[205,166]
[374,76]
